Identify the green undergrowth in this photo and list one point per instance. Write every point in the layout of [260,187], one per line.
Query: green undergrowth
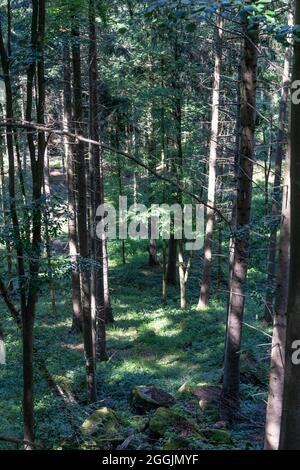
[149,344]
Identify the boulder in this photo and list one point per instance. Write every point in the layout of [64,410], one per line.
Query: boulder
[165,421]
[176,442]
[144,399]
[217,436]
[103,423]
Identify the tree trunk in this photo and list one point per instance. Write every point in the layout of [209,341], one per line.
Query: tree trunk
[82,226]
[164,276]
[37,168]
[271,270]
[73,245]
[152,248]
[171,269]
[231,379]
[5,210]
[212,172]
[98,284]
[275,394]
[290,423]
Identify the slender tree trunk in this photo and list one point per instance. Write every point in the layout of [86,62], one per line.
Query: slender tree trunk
[2,346]
[171,269]
[37,168]
[73,245]
[5,211]
[108,312]
[231,379]
[123,250]
[27,336]
[96,188]
[164,267]
[271,270]
[212,172]
[152,248]
[82,226]
[275,394]
[290,423]
[220,255]
[181,268]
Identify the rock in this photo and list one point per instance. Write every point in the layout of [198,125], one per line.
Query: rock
[144,399]
[176,442]
[165,420]
[103,423]
[139,423]
[217,436]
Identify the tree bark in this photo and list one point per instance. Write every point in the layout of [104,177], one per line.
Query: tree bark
[290,423]
[271,269]
[37,169]
[171,268]
[72,230]
[275,393]
[97,192]
[212,172]
[231,379]
[85,269]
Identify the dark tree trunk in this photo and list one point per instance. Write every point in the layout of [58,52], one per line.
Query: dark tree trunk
[275,393]
[82,225]
[276,189]
[97,192]
[172,254]
[69,145]
[231,379]
[37,168]
[290,423]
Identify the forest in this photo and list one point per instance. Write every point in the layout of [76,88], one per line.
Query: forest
[149,243]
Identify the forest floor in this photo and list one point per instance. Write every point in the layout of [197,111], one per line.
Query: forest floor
[149,344]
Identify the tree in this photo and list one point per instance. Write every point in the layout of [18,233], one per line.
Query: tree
[277,183]
[72,225]
[231,378]
[212,172]
[290,429]
[275,394]
[98,284]
[84,261]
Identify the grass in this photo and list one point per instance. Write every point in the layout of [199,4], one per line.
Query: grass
[149,344]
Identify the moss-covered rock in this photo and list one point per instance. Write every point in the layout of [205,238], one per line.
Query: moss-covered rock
[217,436]
[102,424]
[139,423]
[176,442]
[165,421]
[144,399]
